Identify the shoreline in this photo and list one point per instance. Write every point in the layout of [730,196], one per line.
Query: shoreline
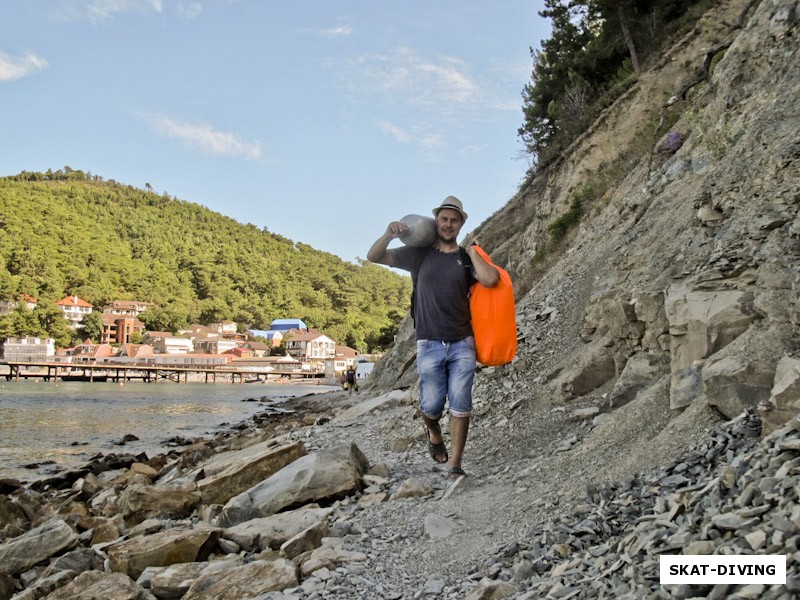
[73,451]
[7,376]
[287,412]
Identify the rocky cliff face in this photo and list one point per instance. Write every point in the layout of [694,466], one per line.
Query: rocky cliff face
[682,277]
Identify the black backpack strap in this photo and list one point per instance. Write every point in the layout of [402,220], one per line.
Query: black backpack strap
[465,258]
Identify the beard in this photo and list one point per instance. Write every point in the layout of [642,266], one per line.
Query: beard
[446,237]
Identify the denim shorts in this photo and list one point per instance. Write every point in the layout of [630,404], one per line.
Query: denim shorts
[446,371]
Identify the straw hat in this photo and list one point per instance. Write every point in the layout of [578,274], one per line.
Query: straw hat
[450,202]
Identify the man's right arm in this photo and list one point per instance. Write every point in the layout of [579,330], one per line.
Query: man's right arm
[379,251]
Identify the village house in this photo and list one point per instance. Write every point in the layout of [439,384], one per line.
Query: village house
[134,354]
[28,349]
[89,353]
[240,352]
[127,308]
[194,359]
[310,346]
[8,306]
[268,364]
[118,329]
[257,348]
[274,337]
[74,309]
[214,345]
[163,342]
[224,327]
[344,357]
[228,330]
[199,332]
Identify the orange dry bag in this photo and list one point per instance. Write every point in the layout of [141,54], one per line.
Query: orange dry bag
[494,319]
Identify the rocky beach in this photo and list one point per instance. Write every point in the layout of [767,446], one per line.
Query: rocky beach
[335,496]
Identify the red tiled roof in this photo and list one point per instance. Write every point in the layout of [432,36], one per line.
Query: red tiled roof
[136,349]
[73,301]
[346,351]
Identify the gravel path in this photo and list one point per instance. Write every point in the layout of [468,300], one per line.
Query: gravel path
[527,461]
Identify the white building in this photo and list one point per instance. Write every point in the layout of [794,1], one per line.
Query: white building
[224,327]
[164,342]
[74,309]
[214,346]
[8,306]
[363,369]
[29,349]
[310,346]
[127,308]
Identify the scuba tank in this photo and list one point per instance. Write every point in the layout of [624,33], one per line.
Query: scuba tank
[421,231]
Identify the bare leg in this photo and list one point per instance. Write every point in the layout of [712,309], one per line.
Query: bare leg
[434,435]
[459,427]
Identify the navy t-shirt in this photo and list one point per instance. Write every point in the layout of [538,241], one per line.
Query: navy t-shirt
[441,305]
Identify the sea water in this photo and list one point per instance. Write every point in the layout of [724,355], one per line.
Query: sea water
[49,427]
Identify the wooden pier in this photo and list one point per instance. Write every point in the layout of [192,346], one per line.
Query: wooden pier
[147,373]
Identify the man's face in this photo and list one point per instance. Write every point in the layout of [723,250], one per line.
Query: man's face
[448,224]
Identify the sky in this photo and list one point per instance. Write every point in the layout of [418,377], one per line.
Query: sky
[321,121]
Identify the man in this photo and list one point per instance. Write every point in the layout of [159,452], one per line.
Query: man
[350,376]
[445,345]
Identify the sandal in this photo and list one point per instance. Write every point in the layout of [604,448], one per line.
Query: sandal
[456,472]
[437,450]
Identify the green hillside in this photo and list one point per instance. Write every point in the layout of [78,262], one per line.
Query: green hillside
[69,232]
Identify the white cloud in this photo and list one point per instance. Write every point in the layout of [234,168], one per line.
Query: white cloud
[190,10]
[104,10]
[16,67]
[431,143]
[433,100]
[338,31]
[442,83]
[395,132]
[472,149]
[204,138]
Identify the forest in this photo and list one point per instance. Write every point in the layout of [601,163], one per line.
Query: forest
[70,232]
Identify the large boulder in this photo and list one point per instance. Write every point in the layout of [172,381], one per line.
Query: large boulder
[649,308]
[172,582]
[732,384]
[316,477]
[391,398]
[701,323]
[271,532]
[97,584]
[40,543]
[641,371]
[231,473]
[162,549]
[140,502]
[591,369]
[247,581]
[12,515]
[784,400]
